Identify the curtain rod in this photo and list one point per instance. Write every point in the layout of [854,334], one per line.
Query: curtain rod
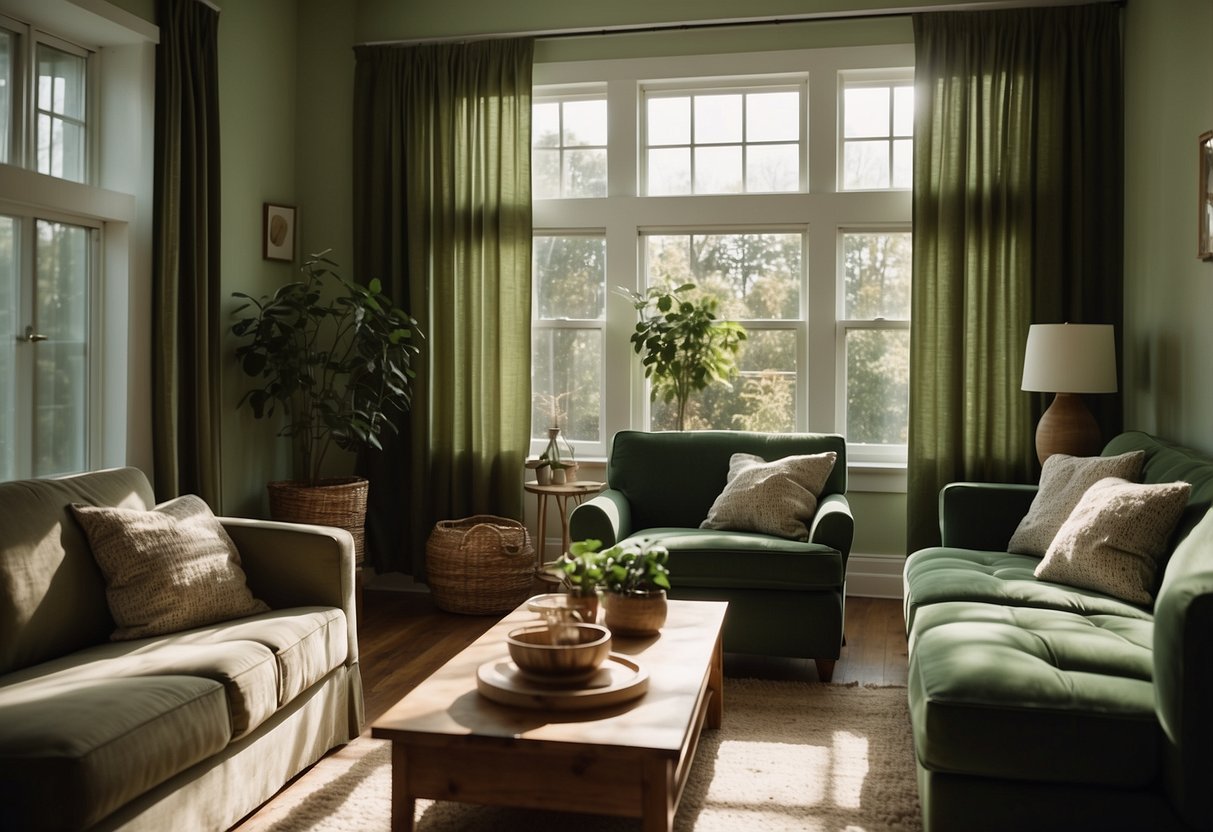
[626,29]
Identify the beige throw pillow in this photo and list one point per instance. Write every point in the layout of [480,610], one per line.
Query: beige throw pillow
[1063,481]
[1114,539]
[168,569]
[778,498]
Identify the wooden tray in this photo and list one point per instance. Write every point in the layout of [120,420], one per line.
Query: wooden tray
[619,679]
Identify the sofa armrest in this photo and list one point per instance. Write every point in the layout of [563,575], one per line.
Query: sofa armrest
[295,565]
[607,517]
[982,515]
[834,525]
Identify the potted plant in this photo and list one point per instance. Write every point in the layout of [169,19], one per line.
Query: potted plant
[636,578]
[581,572]
[335,358]
[685,347]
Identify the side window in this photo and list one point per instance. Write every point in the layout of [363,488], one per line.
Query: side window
[877,135]
[567,336]
[568,147]
[874,340]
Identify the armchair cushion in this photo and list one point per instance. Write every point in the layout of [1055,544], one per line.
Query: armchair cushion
[777,497]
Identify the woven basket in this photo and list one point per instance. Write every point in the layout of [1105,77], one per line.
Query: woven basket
[333,502]
[479,565]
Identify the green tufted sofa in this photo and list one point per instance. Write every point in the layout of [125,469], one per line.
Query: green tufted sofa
[184,731]
[1041,706]
[785,597]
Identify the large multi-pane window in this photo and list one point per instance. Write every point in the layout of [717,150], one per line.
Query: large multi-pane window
[711,182]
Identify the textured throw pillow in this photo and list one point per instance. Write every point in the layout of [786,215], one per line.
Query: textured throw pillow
[1114,538]
[1063,481]
[778,498]
[167,569]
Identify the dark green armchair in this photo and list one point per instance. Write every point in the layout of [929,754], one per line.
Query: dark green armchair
[786,598]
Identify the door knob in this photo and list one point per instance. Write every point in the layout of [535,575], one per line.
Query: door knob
[31,336]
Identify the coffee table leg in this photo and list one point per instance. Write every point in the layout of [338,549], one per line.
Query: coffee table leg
[716,687]
[659,793]
[404,806]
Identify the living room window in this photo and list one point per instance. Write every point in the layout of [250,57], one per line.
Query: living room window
[569,146]
[711,162]
[69,249]
[877,132]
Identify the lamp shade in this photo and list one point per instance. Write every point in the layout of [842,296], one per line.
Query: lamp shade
[1070,358]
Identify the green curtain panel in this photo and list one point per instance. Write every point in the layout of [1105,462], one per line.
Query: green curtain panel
[186,325]
[1018,197]
[442,215]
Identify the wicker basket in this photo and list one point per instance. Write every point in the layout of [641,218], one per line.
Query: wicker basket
[333,502]
[480,565]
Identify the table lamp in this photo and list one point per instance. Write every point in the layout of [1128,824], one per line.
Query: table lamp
[1069,360]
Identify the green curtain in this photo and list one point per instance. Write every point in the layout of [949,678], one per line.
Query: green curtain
[442,215]
[1017,210]
[186,324]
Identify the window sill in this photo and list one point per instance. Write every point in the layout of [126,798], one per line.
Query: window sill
[877,477]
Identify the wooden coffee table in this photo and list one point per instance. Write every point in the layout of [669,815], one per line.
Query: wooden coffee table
[632,759]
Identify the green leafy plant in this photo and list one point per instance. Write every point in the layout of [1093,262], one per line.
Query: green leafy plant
[684,346]
[335,356]
[636,567]
[582,568]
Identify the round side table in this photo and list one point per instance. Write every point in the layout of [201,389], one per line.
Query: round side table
[578,491]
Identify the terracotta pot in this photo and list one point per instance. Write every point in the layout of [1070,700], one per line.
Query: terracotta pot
[635,614]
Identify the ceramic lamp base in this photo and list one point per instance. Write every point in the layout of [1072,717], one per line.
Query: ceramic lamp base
[1067,427]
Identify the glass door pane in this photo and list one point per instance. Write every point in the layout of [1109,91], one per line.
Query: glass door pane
[8,347]
[61,360]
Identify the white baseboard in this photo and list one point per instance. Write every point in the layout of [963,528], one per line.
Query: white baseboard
[875,576]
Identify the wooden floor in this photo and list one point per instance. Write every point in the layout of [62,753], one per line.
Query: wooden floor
[403,638]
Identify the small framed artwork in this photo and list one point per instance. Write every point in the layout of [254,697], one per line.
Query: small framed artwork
[1205,191]
[278,232]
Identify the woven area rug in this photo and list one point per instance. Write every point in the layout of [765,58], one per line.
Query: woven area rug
[790,756]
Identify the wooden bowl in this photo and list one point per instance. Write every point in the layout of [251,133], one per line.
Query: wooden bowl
[532,650]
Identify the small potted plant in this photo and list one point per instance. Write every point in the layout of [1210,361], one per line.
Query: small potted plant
[636,578]
[581,571]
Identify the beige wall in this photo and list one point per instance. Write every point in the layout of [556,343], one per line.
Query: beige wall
[1168,291]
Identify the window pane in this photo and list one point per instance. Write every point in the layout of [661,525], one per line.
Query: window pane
[669,120]
[8,347]
[585,173]
[60,101]
[7,43]
[717,118]
[903,163]
[903,111]
[876,275]
[865,112]
[570,277]
[762,397]
[545,124]
[772,167]
[566,368]
[718,170]
[669,171]
[545,174]
[585,122]
[772,117]
[755,276]
[865,165]
[878,386]
[60,379]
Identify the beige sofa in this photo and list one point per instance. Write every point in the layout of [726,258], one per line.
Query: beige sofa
[187,731]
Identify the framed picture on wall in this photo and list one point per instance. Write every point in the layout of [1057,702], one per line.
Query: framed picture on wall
[278,232]
[1205,190]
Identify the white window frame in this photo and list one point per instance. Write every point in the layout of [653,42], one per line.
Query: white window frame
[625,214]
[563,95]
